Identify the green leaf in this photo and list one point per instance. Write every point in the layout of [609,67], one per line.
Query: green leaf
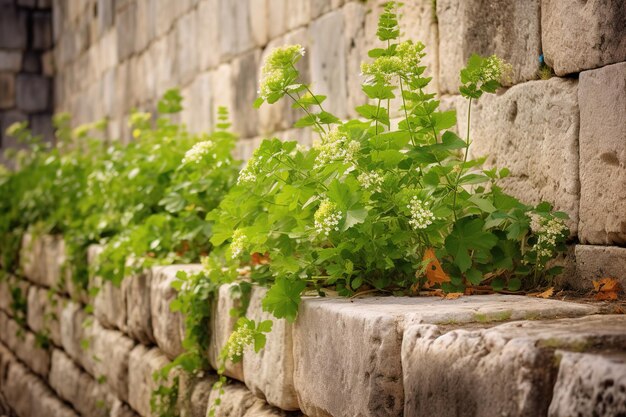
[259,342]
[265,326]
[444,120]
[467,235]
[283,298]
[474,276]
[483,204]
[514,284]
[356,215]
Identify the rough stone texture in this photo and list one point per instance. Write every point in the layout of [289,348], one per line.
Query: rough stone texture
[577,36]
[7,90]
[13,27]
[193,394]
[6,358]
[138,315]
[269,373]
[590,385]
[6,296]
[221,326]
[168,326]
[509,369]
[602,98]
[596,262]
[532,129]
[237,401]
[109,304]
[78,388]
[509,30]
[73,319]
[107,356]
[29,396]
[364,339]
[44,312]
[143,362]
[33,93]
[23,344]
[42,258]
[245,116]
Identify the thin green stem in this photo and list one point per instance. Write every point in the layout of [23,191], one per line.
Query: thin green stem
[377,114]
[306,111]
[467,144]
[406,115]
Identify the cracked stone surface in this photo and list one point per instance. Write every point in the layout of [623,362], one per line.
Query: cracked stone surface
[509,369]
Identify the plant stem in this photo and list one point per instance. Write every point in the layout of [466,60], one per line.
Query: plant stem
[306,111]
[406,115]
[467,144]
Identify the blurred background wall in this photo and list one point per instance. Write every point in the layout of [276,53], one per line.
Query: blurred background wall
[561,130]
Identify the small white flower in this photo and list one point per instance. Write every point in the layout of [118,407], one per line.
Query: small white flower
[238,244]
[249,173]
[335,147]
[327,218]
[421,217]
[371,180]
[237,342]
[197,152]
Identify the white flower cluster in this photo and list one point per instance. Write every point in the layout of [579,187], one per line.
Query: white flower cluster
[335,146]
[197,152]
[404,63]
[278,69]
[237,342]
[421,217]
[238,244]
[495,69]
[548,231]
[371,180]
[249,172]
[327,218]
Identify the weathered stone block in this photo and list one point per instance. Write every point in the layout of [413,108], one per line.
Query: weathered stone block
[6,358]
[7,285]
[269,373]
[44,313]
[33,93]
[78,388]
[513,32]
[13,27]
[208,34]
[109,304]
[29,396]
[221,327]
[298,13]
[245,116]
[277,18]
[589,384]
[187,54]
[364,339]
[236,401]
[602,98]
[138,315]
[168,326]
[259,25]
[596,262]
[532,129]
[121,409]
[73,319]
[23,344]
[145,24]
[509,369]
[328,61]
[193,394]
[235,32]
[41,125]
[222,87]
[106,356]
[595,34]
[200,103]
[10,61]
[143,362]
[7,90]
[126,30]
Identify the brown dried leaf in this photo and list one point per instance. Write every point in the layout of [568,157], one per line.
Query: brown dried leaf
[607,289]
[453,295]
[434,272]
[546,294]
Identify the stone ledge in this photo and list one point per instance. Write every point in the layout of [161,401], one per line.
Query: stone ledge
[22,343]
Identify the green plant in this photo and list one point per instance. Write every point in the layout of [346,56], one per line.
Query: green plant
[375,207]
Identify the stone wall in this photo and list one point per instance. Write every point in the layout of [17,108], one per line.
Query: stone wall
[26,67]
[63,354]
[563,138]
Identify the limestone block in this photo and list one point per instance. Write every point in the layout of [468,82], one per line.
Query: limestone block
[143,362]
[208,34]
[145,23]
[319,7]
[236,401]
[109,304]
[41,258]
[595,34]
[364,339]
[106,14]
[138,315]
[504,370]
[187,55]
[10,61]
[269,373]
[126,30]
[244,115]
[7,90]
[78,388]
[29,396]
[165,62]
[513,32]
[121,409]
[44,313]
[193,394]
[235,31]
[13,27]
[357,20]
[72,322]
[597,262]
[6,296]
[602,98]
[107,356]
[223,88]
[165,16]
[298,13]
[41,125]
[532,129]
[168,326]
[259,25]
[200,107]
[23,344]
[33,93]
[6,358]
[589,384]
[221,327]
[328,61]
[277,18]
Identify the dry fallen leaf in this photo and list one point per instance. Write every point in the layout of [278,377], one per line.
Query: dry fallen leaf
[546,294]
[434,272]
[453,295]
[607,289]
